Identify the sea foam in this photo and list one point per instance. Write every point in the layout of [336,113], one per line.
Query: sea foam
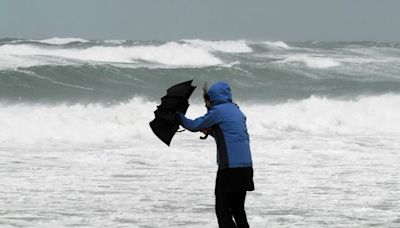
[312,61]
[96,124]
[61,41]
[227,46]
[27,124]
[276,45]
[371,115]
[169,54]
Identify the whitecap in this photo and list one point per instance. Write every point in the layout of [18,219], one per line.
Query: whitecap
[368,115]
[61,41]
[227,46]
[25,124]
[168,54]
[312,61]
[277,45]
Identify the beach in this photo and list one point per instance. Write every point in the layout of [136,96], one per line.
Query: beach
[77,151]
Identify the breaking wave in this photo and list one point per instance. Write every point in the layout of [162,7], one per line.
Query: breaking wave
[239,46]
[276,45]
[128,122]
[169,54]
[372,115]
[75,70]
[61,41]
[312,61]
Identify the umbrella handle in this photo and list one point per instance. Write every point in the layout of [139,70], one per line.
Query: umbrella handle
[204,137]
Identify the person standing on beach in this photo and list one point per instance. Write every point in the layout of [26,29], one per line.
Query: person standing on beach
[227,124]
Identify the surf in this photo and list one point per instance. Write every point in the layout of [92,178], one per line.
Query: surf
[98,124]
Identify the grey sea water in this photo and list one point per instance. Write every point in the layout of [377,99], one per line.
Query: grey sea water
[76,149]
[77,70]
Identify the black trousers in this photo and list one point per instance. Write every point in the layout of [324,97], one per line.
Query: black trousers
[229,206]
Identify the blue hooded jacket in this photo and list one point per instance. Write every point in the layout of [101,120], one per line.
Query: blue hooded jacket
[228,125]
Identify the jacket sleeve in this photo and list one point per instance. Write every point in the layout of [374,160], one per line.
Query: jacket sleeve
[206,121]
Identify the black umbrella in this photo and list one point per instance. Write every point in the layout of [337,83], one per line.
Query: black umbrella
[165,124]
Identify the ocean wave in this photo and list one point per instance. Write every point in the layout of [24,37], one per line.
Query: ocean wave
[193,53]
[311,61]
[25,124]
[13,61]
[169,54]
[369,115]
[74,124]
[61,41]
[227,46]
[276,45]
[118,42]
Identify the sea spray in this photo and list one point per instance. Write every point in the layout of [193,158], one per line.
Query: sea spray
[27,124]
[76,148]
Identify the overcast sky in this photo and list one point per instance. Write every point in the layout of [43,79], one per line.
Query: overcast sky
[287,20]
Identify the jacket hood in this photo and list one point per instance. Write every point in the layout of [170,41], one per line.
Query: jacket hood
[220,93]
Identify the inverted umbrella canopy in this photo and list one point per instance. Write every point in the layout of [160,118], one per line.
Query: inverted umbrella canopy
[165,123]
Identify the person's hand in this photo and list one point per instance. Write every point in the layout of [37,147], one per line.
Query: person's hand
[178,117]
[206,131]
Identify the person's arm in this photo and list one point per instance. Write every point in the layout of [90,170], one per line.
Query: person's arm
[206,121]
